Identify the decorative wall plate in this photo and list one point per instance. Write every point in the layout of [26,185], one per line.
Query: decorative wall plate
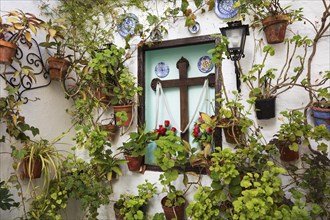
[194,28]
[162,70]
[205,64]
[156,35]
[127,25]
[224,8]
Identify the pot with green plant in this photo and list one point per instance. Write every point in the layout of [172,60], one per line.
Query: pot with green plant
[133,206]
[203,135]
[19,24]
[265,84]
[320,109]
[38,157]
[171,153]
[55,39]
[135,148]
[273,17]
[291,134]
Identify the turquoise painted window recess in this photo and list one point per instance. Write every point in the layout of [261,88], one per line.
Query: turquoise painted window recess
[161,64]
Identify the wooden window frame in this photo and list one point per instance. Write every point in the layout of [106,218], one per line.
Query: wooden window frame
[142,49]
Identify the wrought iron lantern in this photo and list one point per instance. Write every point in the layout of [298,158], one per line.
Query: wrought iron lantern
[236,34]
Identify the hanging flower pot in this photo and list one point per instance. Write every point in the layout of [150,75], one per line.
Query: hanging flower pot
[265,108]
[104,98]
[275,28]
[112,129]
[286,154]
[233,134]
[176,212]
[321,116]
[32,169]
[134,163]
[7,52]
[58,68]
[125,115]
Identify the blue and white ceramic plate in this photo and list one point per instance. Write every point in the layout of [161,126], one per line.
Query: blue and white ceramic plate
[194,28]
[205,64]
[162,70]
[127,25]
[224,8]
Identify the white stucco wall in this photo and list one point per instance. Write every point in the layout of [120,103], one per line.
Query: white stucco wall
[48,113]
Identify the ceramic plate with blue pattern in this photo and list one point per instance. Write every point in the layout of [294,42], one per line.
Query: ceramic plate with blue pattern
[205,64]
[127,25]
[224,8]
[162,70]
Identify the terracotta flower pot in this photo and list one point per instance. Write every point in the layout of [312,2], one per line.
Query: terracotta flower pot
[112,131]
[275,28]
[176,212]
[321,116]
[57,68]
[265,108]
[104,98]
[134,163]
[36,167]
[286,154]
[126,108]
[7,52]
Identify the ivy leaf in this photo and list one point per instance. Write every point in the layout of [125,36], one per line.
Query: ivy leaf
[198,3]
[184,5]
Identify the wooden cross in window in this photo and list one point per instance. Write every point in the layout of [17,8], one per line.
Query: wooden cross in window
[183,83]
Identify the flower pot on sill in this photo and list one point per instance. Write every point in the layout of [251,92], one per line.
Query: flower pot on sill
[124,108]
[7,52]
[118,216]
[177,212]
[286,154]
[321,116]
[58,68]
[36,167]
[265,108]
[275,28]
[134,163]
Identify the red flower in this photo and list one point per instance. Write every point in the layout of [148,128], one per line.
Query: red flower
[173,129]
[196,129]
[195,134]
[167,123]
[209,130]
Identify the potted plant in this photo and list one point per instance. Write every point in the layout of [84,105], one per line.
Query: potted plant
[265,84]
[291,134]
[135,148]
[132,206]
[55,39]
[203,135]
[170,154]
[19,24]
[38,157]
[111,128]
[271,15]
[320,109]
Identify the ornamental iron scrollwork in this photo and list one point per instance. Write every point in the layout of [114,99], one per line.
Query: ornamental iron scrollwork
[33,58]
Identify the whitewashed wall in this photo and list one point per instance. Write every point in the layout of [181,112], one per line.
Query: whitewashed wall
[48,113]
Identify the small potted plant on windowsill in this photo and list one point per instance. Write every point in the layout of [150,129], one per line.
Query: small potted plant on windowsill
[271,15]
[58,64]
[203,135]
[171,153]
[19,24]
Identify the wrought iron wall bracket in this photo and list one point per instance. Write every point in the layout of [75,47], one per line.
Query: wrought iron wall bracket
[33,58]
